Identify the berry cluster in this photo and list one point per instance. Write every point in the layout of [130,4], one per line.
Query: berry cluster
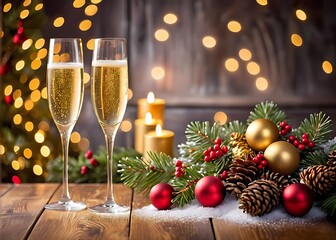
[284,128]
[224,174]
[215,152]
[260,161]
[89,155]
[304,144]
[179,168]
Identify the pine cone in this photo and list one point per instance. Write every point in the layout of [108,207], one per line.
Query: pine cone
[240,147]
[241,173]
[320,178]
[260,197]
[281,181]
[332,159]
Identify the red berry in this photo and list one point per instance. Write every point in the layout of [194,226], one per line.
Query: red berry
[296,143]
[182,171]
[218,141]
[225,149]
[263,163]
[224,174]
[305,135]
[260,156]
[178,174]
[288,128]
[152,167]
[207,158]
[260,167]
[283,132]
[213,155]
[311,144]
[255,160]
[219,153]
[88,154]
[210,149]
[178,169]
[84,170]
[206,152]
[94,162]
[178,163]
[305,141]
[292,138]
[217,147]
[283,124]
[301,147]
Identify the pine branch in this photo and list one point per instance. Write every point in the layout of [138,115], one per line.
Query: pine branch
[328,204]
[231,127]
[268,110]
[318,127]
[317,157]
[143,174]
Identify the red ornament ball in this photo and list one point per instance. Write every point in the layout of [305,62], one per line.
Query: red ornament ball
[297,199]
[210,191]
[161,195]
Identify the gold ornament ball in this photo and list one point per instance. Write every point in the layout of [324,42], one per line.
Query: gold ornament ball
[282,157]
[261,133]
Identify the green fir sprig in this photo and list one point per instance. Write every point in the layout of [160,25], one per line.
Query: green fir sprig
[268,110]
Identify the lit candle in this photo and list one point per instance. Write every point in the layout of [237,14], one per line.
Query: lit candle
[159,141]
[143,126]
[153,105]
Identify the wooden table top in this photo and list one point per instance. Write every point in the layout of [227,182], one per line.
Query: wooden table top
[22,216]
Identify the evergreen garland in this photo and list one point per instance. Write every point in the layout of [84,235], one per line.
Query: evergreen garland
[143,174]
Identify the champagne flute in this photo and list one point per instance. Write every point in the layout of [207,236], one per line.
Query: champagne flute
[65,96]
[109,98]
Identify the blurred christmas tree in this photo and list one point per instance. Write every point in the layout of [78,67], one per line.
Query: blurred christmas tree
[26,139]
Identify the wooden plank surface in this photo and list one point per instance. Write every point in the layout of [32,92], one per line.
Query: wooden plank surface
[305,231]
[83,224]
[4,187]
[20,208]
[145,228]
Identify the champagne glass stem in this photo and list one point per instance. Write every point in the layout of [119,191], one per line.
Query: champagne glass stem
[109,138]
[65,137]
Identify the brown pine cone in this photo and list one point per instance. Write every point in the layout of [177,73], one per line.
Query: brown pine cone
[260,197]
[320,178]
[332,159]
[281,181]
[240,147]
[241,173]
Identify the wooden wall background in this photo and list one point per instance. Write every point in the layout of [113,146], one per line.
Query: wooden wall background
[197,84]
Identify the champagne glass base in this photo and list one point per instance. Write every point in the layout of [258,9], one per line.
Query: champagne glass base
[108,208]
[66,206]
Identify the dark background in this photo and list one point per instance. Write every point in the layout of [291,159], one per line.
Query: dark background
[196,84]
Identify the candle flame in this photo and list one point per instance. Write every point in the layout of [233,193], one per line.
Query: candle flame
[148,118]
[158,130]
[150,97]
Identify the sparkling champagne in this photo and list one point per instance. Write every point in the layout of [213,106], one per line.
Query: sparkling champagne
[65,92]
[109,91]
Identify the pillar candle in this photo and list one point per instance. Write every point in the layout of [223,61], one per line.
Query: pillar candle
[142,127]
[159,141]
[153,105]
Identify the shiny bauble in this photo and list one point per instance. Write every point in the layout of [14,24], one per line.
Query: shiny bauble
[210,191]
[161,195]
[297,199]
[261,133]
[282,157]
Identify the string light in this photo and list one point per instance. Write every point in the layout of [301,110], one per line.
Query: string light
[17,93]
[36,64]
[90,44]
[45,151]
[37,169]
[261,83]
[16,148]
[19,65]
[39,43]
[29,104]
[170,18]
[44,93]
[39,137]
[161,35]
[296,40]
[78,3]
[34,84]
[24,13]
[86,77]
[209,42]
[327,67]
[234,26]
[58,22]
[29,126]
[39,6]
[245,54]
[91,10]
[26,44]
[42,53]
[158,73]
[8,90]
[2,150]
[27,153]
[253,68]
[15,165]
[85,25]
[231,65]
[262,2]
[220,117]
[7,7]
[17,119]
[301,15]
[35,96]
[26,3]
[18,102]
[96,1]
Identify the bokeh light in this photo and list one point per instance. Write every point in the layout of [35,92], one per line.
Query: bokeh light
[253,68]
[75,137]
[85,25]
[231,65]
[220,117]
[16,180]
[37,169]
[209,42]
[27,153]
[296,40]
[58,22]
[45,151]
[327,67]
[161,35]
[245,54]
[234,26]
[126,126]
[261,83]
[158,73]
[262,2]
[301,15]
[91,10]
[170,18]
